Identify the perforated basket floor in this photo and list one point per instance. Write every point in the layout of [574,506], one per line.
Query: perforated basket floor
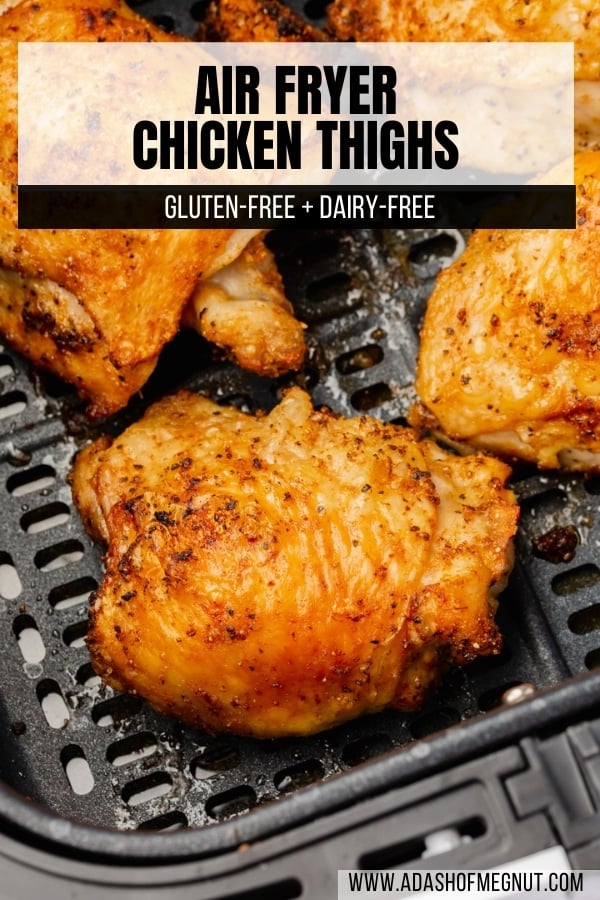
[80,750]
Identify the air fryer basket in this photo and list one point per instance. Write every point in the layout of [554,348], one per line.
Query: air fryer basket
[105,759]
[85,768]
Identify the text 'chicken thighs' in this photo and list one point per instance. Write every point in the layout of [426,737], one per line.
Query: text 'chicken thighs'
[280,574]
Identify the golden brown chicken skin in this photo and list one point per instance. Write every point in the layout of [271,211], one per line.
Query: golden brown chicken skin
[510,349]
[243,309]
[96,307]
[478,20]
[254,20]
[475,20]
[281,574]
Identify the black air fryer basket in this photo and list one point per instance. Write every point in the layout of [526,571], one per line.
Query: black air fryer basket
[102,797]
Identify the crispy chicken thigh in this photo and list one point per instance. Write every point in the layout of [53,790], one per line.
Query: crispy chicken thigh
[278,575]
[478,20]
[243,309]
[474,20]
[96,307]
[510,348]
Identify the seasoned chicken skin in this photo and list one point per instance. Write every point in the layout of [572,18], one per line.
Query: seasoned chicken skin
[510,348]
[254,20]
[243,309]
[478,20]
[281,574]
[96,307]
[474,20]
